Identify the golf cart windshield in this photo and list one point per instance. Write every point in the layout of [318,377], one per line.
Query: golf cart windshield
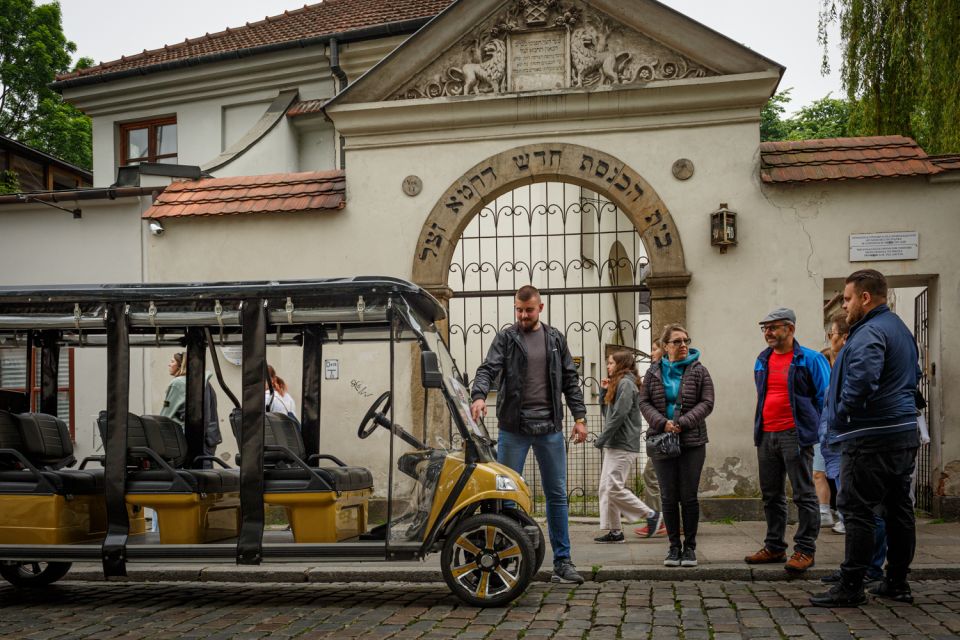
[456,390]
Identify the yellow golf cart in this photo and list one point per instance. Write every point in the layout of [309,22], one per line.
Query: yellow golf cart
[54,511]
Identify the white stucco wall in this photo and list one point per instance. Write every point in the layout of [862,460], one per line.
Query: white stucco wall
[44,246]
[792,240]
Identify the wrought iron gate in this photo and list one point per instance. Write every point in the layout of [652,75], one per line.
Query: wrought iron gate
[924,490]
[587,260]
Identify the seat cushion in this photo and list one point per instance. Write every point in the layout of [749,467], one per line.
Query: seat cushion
[297,479]
[198,480]
[81,481]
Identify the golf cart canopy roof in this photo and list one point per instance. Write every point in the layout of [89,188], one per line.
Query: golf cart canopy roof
[356,300]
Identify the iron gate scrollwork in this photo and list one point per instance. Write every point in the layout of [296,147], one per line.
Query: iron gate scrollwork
[588,261]
[924,488]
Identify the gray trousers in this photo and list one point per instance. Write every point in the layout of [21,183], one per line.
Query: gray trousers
[781,457]
[651,486]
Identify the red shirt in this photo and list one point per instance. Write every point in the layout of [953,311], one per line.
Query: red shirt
[777,415]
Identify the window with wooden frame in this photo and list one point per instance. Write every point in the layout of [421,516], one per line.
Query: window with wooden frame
[149,141]
[13,373]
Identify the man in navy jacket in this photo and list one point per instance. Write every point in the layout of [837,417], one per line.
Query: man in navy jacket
[791,382]
[871,413]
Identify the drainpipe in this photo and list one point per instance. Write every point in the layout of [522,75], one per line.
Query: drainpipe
[341,84]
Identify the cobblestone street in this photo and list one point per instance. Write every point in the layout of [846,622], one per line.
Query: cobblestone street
[616,609]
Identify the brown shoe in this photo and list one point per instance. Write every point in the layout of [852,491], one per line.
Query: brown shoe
[765,556]
[799,562]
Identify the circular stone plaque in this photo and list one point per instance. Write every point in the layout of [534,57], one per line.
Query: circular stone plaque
[412,185]
[683,169]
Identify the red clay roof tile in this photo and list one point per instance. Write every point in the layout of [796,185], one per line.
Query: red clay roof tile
[323,19]
[305,107]
[949,162]
[278,192]
[846,159]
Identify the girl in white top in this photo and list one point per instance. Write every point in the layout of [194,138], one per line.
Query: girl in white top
[278,399]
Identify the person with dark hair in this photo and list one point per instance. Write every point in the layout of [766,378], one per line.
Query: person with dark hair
[871,413]
[676,397]
[175,405]
[175,400]
[791,382]
[277,395]
[536,370]
[830,456]
[620,441]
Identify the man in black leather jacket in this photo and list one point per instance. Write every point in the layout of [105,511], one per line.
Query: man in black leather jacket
[535,369]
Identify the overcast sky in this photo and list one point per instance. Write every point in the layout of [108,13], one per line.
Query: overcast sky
[782,30]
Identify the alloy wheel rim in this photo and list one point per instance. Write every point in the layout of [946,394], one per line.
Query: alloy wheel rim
[486,561]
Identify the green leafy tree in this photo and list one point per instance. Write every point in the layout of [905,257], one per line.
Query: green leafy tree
[772,126]
[901,67]
[33,50]
[824,118]
[9,182]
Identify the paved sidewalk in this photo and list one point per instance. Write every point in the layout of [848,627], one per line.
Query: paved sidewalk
[612,610]
[720,551]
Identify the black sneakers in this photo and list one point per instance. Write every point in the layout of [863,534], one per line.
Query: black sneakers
[688,558]
[673,558]
[840,595]
[893,591]
[565,572]
[611,537]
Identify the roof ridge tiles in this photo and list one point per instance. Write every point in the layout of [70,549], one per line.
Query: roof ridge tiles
[311,20]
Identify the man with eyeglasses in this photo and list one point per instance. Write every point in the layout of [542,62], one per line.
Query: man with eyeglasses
[791,384]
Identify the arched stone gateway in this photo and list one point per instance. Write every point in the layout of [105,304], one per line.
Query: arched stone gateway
[570,163]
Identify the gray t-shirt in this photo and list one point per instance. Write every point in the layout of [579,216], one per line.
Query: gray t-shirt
[536,389]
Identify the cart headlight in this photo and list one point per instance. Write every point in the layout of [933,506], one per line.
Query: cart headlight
[506,483]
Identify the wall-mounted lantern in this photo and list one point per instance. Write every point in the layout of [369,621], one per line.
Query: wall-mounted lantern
[723,228]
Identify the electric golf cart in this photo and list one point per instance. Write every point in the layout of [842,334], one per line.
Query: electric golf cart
[54,511]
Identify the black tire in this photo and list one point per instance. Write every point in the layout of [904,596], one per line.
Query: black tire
[526,520]
[487,560]
[33,574]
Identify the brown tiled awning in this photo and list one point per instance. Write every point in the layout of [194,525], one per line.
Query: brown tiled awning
[949,162]
[272,193]
[305,107]
[843,159]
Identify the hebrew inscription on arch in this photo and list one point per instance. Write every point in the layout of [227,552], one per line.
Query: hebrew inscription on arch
[590,168]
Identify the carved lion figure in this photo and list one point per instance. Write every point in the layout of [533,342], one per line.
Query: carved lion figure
[491,69]
[589,54]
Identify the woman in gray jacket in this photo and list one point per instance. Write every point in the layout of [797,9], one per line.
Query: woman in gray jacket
[621,441]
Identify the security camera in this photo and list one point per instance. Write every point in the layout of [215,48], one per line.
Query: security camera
[156,228]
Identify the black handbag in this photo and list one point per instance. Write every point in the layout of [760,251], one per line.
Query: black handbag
[663,446]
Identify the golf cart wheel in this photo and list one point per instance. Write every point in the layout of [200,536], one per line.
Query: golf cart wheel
[488,560]
[33,574]
[526,520]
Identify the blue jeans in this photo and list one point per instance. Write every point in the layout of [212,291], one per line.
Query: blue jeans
[551,454]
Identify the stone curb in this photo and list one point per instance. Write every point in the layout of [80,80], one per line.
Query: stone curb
[288,575]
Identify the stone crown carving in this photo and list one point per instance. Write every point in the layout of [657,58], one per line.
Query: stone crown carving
[533,45]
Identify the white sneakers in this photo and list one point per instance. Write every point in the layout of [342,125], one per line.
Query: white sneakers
[826,517]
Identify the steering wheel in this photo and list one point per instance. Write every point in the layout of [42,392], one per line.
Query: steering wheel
[375,417]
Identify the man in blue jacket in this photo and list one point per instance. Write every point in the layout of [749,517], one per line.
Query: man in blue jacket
[791,383]
[871,413]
